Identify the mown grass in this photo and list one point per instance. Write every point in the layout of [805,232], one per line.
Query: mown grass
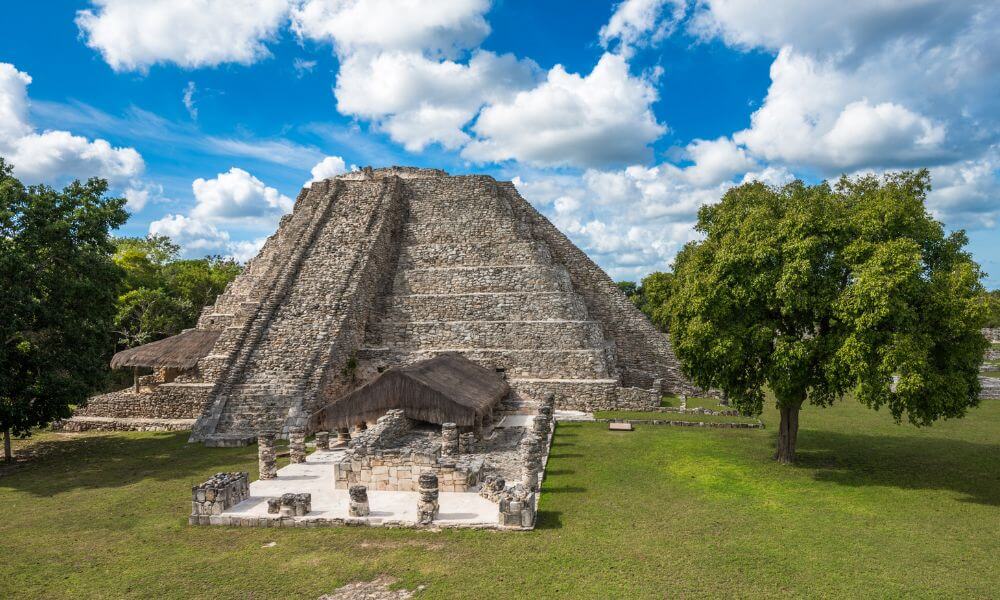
[670,416]
[873,510]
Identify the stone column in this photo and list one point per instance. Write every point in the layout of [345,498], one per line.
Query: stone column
[343,436]
[427,504]
[322,440]
[467,443]
[540,425]
[297,444]
[550,401]
[529,472]
[359,501]
[266,459]
[449,439]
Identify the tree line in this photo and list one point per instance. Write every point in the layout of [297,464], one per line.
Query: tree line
[72,294]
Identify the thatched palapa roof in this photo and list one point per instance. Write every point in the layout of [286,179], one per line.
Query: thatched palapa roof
[448,388]
[180,351]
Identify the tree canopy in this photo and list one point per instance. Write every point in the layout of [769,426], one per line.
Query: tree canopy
[164,295]
[815,292]
[650,296]
[58,293]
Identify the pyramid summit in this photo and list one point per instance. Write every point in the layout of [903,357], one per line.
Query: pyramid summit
[385,267]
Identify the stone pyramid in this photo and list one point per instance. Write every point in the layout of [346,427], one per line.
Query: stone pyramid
[388,266]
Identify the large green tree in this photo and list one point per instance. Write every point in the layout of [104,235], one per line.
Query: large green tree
[58,285]
[815,292]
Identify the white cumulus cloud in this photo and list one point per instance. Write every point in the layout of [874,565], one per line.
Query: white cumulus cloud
[331,166]
[572,120]
[235,196]
[54,156]
[423,26]
[133,35]
[641,22]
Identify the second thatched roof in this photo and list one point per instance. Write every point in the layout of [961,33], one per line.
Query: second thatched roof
[180,351]
[448,388]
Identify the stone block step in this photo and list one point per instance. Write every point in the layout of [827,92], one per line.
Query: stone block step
[435,232]
[472,254]
[491,279]
[556,364]
[514,306]
[525,335]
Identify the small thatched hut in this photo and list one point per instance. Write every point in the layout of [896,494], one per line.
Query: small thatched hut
[171,355]
[448,388]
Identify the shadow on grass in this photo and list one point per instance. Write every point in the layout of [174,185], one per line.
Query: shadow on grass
[565,455]
[563,489]
[548,519]
[906,462]
[550,472]
[110,460]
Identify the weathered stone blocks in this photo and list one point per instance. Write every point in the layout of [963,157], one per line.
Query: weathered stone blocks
[221,492]
[297,445]
[359,501]
[267,459]
[322,440]
[517,507]
[449,439]
[427,503]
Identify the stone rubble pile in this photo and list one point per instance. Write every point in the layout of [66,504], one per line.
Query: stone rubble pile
[517,507]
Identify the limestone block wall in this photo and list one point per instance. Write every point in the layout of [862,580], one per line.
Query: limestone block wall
[167,401]
[396,470]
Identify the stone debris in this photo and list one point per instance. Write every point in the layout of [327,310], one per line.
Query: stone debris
[492,488]
[377,589]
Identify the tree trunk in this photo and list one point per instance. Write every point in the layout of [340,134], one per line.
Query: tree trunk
[788,432]
[8,456]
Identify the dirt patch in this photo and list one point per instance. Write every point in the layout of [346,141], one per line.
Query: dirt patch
[376,589]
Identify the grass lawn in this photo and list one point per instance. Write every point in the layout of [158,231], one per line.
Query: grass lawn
[670,416]
[873,510]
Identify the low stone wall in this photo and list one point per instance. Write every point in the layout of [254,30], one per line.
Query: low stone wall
[992,334]
[82,423]
[220,493]
[167,401]
[395,470]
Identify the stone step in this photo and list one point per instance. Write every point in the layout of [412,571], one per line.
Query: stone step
[571,393]
[436,232]
[525,335]
[557,364]
[485,279]
[513,306]
[471,254]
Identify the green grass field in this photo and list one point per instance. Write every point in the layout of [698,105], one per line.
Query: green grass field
[873,510]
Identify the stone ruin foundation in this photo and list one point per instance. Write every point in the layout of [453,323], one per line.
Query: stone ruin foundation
[503,464]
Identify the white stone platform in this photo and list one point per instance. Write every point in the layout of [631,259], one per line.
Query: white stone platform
[330,506]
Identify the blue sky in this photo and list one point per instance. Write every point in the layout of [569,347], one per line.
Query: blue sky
[616,119]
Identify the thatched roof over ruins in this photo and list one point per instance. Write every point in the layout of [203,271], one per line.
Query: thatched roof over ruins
[180,351]
[448,388]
